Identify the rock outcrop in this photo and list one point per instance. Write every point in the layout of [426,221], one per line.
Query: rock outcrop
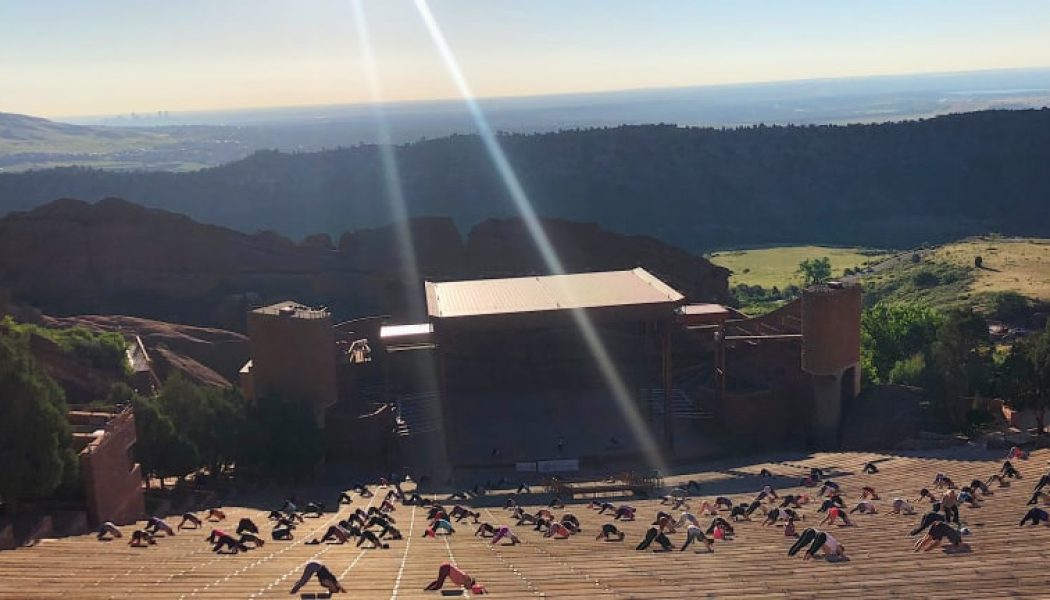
[206,355]
[114,257]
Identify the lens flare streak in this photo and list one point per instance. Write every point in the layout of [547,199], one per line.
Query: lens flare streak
[552,261]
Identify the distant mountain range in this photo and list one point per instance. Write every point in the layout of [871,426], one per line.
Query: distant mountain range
[887,185]
[190,140]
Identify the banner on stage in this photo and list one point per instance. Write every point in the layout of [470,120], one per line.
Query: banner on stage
[558,466]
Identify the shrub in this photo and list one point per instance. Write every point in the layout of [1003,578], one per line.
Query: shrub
[909,371]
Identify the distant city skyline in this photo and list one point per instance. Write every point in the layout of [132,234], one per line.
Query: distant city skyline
[71,58]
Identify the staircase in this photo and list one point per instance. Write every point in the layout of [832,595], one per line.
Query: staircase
[682,406]
[418,413]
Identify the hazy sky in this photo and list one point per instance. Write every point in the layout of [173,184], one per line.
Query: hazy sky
[79,57]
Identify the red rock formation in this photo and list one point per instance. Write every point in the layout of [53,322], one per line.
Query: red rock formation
[114,257]
[205,355]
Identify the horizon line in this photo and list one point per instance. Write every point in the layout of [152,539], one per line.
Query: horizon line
[552,95]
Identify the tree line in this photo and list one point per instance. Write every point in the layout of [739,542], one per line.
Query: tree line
[885,185]
[182,429]
[951,355]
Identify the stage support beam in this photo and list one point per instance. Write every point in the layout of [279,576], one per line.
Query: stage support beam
[665,360]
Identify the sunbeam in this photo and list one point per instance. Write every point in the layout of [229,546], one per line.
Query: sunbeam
[427,370]
[617,387]
[391,174]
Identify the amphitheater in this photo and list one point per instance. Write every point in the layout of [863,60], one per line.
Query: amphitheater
[1003,560]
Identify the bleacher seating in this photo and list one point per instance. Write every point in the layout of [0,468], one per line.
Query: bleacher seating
[1004,561]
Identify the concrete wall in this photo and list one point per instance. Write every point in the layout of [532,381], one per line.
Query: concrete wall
[294,358]
[830,329]
[766,418]
[830,353]
[112,481]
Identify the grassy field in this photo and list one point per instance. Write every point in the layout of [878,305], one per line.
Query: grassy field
[1010,264]
[770,267]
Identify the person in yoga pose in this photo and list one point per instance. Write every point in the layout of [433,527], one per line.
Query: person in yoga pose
[558,531]
[140,538]
[831,502]
[230,543]
[827,543]
[439,525]
[654,535]
[724,503]
[324,577]
[571,523]
[458,577]
[864,507]
[610,531]
[485,530]
[937,534]
[927,519]
[740,512]
[901,506]
[248,537]
[1039,496]
[1036,516]
[767,492]
[372,538]
[870,468]
[248,525]
[695,534]
[108,531]
[1008,470]
[155,525]
[756,504]
[707,509]
[1043,482]
[1017,453]
[284,522]
[977,485]
[215,515]
[794,501]
[624,513]
[390,532]
[505,532]
[868,492]
[999,479]
[474,515]
[191,518]
[665,523]
[687,517]
[966,495]
[282,533]
[816,540]
[771,517]
[829,488]
[789,528]
[836,513]
[805,538]
[313,509]
[214,535]
[542,524]
[940,480]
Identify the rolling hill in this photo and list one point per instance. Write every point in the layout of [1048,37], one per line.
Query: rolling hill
[882,185]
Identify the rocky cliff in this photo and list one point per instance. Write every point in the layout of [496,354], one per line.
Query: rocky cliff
[114,257]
